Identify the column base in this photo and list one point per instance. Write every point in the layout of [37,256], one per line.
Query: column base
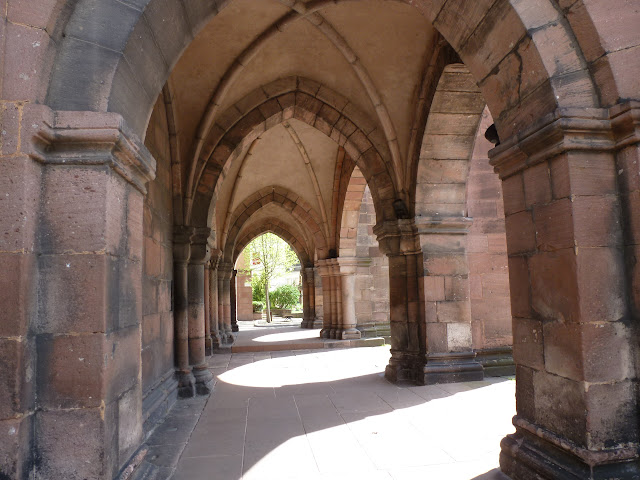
[226,337]
[307,324]
[204,380]
[350,334]
[215,342]
[333,334]
[317,323]
[325,333]
[452,368]
[497,362]
[405,367]
[235,328]
[229,338]
[208,346]
[526,456]
[186,384]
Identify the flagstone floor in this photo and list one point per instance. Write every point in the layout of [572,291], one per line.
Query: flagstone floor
[330,414]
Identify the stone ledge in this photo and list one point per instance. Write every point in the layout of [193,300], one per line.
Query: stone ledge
[85,139]
[568,129]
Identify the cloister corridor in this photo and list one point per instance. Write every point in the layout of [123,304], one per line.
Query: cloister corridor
[459,180]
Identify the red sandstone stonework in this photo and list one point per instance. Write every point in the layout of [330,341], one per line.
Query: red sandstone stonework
[144,143]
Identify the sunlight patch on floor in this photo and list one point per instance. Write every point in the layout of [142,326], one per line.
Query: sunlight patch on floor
[287,336]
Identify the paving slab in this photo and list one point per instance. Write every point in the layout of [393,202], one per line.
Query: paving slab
[329,414]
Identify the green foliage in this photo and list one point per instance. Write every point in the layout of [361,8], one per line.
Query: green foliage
[285,296]
[269,256]
[272,253]
[257,287]
[258,307]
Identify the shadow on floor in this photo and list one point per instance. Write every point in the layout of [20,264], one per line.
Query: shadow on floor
[315,415]
[494,474]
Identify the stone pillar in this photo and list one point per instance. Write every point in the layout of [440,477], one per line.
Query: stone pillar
[348,267]
[214,322]
[207,309]
[85,328]
[336,300]
[308,298]
[20,184]
[399,241]
[570,192]
[325,274]
[224,299]
[197,359]
[234,301]
[181,254]
[450,356]
[305,301]
[318,299]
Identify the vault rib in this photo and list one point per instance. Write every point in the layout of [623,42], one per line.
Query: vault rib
[310,171]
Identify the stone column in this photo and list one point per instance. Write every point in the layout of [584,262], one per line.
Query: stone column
[224,294]
[571,241]
[207,309]
[305,301]
[399,241]
[325,274]
[450,356]
[308,298]
[197,359]
[348,267]
[233,300]
[181,254]
[336,295]
[214,321]
[87,279]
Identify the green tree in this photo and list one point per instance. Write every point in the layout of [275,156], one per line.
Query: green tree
[270,255]
[285,296]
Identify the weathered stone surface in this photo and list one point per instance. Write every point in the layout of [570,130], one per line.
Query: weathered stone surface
[96,306]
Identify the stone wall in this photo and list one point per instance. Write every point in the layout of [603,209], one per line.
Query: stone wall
[487,250]
[157,277]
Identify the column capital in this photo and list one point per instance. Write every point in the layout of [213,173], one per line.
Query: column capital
[398,237]
[182,243]
[565,130]
[200,251]
[215,256]
[225,270]
[324,267]
[87,138]
[182,234]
